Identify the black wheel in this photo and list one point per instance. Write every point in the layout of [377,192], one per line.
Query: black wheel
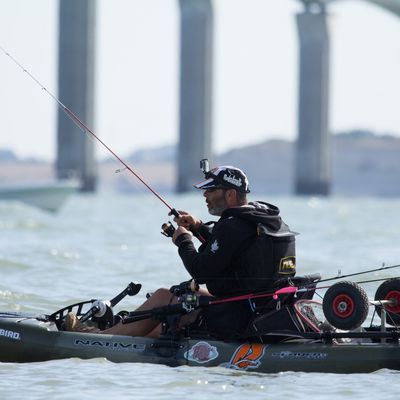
[345,305]
[389,290]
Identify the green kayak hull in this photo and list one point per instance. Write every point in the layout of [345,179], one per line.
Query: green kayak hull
[27,339]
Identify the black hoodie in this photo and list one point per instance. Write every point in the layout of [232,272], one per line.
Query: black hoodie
[245,251]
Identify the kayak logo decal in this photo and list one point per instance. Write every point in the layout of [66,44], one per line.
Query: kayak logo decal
[118,346]
[299,355]
[201,353]
[10,334]
[247,356]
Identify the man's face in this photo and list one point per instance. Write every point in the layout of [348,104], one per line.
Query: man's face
[216,202]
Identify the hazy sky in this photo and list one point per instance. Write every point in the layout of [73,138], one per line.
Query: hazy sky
[255,81]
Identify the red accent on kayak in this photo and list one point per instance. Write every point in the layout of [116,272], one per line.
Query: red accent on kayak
[393,295]
[343,306]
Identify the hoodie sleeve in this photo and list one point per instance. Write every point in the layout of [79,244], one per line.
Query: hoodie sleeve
[215,258]
[205,229]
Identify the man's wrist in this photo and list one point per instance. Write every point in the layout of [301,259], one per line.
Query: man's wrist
[196,226]
[184,237]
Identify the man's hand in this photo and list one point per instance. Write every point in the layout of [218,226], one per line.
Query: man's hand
[180,230]
[187,221]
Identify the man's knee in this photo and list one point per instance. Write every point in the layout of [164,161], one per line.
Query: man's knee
[162,295]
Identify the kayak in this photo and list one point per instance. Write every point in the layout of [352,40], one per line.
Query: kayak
[31,339]
[322,348]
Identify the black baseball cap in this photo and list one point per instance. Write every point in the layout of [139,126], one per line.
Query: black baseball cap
[225,177]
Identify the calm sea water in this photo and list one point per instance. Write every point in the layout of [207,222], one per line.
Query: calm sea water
[97,244]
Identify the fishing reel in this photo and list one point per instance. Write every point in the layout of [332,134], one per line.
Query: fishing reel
[98,311]
[190,302]
[185,287]
[168,229]
[186,291]
[101,312]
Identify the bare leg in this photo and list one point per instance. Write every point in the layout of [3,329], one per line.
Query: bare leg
[150,327]
[185,319]
[160,297]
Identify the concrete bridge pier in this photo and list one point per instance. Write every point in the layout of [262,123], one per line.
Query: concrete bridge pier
[76,62]
[195,112]
[313,169]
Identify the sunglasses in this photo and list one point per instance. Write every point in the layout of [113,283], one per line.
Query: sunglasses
[213,189]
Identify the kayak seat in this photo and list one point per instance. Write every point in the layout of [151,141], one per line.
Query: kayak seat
[306,288]
[306,285]
[280,320]
[299,281]
[279,315]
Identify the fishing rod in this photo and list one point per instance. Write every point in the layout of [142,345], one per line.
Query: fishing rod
[293,288]
[287,290]
[340,276]
[85,129]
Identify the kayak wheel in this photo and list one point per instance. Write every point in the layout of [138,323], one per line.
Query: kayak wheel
[345,305]
[389,290]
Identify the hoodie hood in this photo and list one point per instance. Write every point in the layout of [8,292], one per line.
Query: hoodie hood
[257,212]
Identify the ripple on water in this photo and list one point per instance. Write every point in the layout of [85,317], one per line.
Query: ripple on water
[16,216]
[101,379]
[92,250]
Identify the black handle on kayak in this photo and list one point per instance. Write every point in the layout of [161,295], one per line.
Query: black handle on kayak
[102,306]
[131,290]
[157,313]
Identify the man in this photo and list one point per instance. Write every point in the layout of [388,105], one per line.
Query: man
[245,251]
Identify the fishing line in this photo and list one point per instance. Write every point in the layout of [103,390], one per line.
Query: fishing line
[378,280]
[85,129]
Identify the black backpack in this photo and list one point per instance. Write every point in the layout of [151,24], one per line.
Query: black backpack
[266,257]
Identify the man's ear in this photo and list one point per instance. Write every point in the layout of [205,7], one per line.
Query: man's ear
[230,196]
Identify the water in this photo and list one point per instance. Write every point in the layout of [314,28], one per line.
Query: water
[97,244]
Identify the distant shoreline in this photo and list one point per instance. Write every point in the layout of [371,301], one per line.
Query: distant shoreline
[363,163]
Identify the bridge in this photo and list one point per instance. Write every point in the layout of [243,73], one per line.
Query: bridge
[75,153]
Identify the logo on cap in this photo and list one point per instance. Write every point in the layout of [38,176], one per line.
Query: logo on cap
[225,176]
[231,179]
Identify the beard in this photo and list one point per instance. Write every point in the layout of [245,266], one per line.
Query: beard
[218,206]
[217,211]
